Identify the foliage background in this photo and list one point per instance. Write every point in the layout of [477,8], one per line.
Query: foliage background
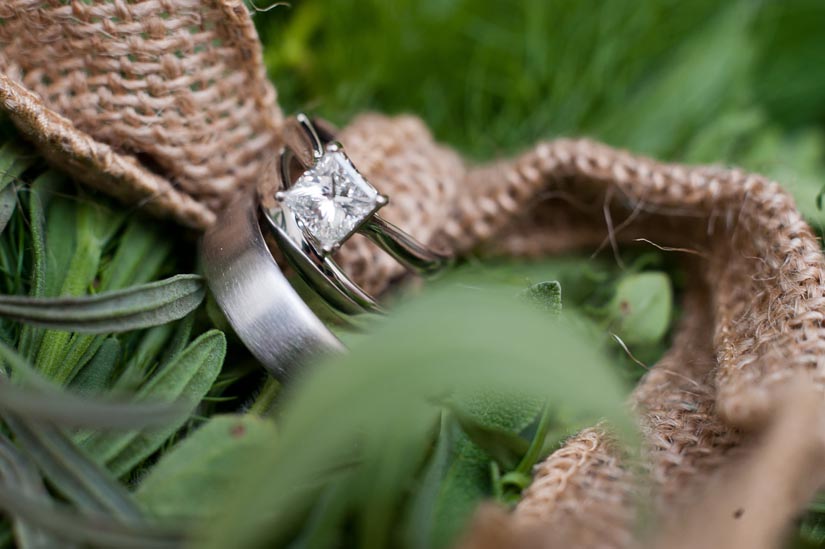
[453,397]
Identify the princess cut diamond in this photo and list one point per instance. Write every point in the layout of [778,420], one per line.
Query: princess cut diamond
[331,199]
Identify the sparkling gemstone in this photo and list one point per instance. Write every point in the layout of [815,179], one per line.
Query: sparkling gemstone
[330,199]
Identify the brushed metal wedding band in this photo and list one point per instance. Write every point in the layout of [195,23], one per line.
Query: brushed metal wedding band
[265,311]
[322,201]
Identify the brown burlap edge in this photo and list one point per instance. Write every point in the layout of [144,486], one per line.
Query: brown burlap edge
[163,103]
[95,163]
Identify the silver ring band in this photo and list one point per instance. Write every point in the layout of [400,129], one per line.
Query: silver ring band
[267,313]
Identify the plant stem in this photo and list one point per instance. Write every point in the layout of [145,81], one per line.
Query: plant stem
[495,481]
[263,402]
[534,450]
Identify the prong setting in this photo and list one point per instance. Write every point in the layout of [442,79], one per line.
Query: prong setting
[329,249]
[315,142]
[330,200]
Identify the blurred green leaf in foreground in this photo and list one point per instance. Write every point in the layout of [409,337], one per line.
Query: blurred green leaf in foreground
[357,432]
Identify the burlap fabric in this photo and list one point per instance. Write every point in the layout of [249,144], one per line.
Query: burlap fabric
[158,102]
[165,105]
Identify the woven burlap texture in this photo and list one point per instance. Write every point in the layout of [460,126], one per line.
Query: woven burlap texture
[163,101]
[165,105]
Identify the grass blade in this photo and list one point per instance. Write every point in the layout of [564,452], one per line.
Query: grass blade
[13,162]
[80,479]
[30,336]
[8,203]
[95,530]
[115,311]
[144,356]
[187,379]
[97,376]
[45,401]
[141,252]
[20,474]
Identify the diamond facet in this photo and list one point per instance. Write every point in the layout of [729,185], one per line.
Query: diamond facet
[331,199]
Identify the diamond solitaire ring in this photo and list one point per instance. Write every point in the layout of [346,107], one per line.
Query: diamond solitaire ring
[318,200]
[322,201]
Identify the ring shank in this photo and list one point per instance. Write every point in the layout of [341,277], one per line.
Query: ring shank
[269,316]
[404,249]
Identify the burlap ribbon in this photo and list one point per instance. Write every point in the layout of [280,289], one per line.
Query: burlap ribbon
[165,105]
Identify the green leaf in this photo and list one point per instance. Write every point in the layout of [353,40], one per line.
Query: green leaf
[79,350]
[387,457]
[115,311]
[466,482]
[8,203]
[180,338]
[489,428]
[38,399]
[322,526]
[31,337]
[97,376]
[76,476]
[499,443]
[67,410]
[141,251]
[77,232]
[21,475]
[192,478]
[418,528]
[87,529]
[385,394]
[535,449]
[144,356]
[187,379]
[545,295]
[641,308]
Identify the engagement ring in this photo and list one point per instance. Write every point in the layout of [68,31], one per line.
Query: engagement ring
[321,201]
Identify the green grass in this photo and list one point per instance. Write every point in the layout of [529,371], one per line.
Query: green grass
[720,82]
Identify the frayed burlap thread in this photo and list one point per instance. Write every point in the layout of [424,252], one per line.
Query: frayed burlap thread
[178,86]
